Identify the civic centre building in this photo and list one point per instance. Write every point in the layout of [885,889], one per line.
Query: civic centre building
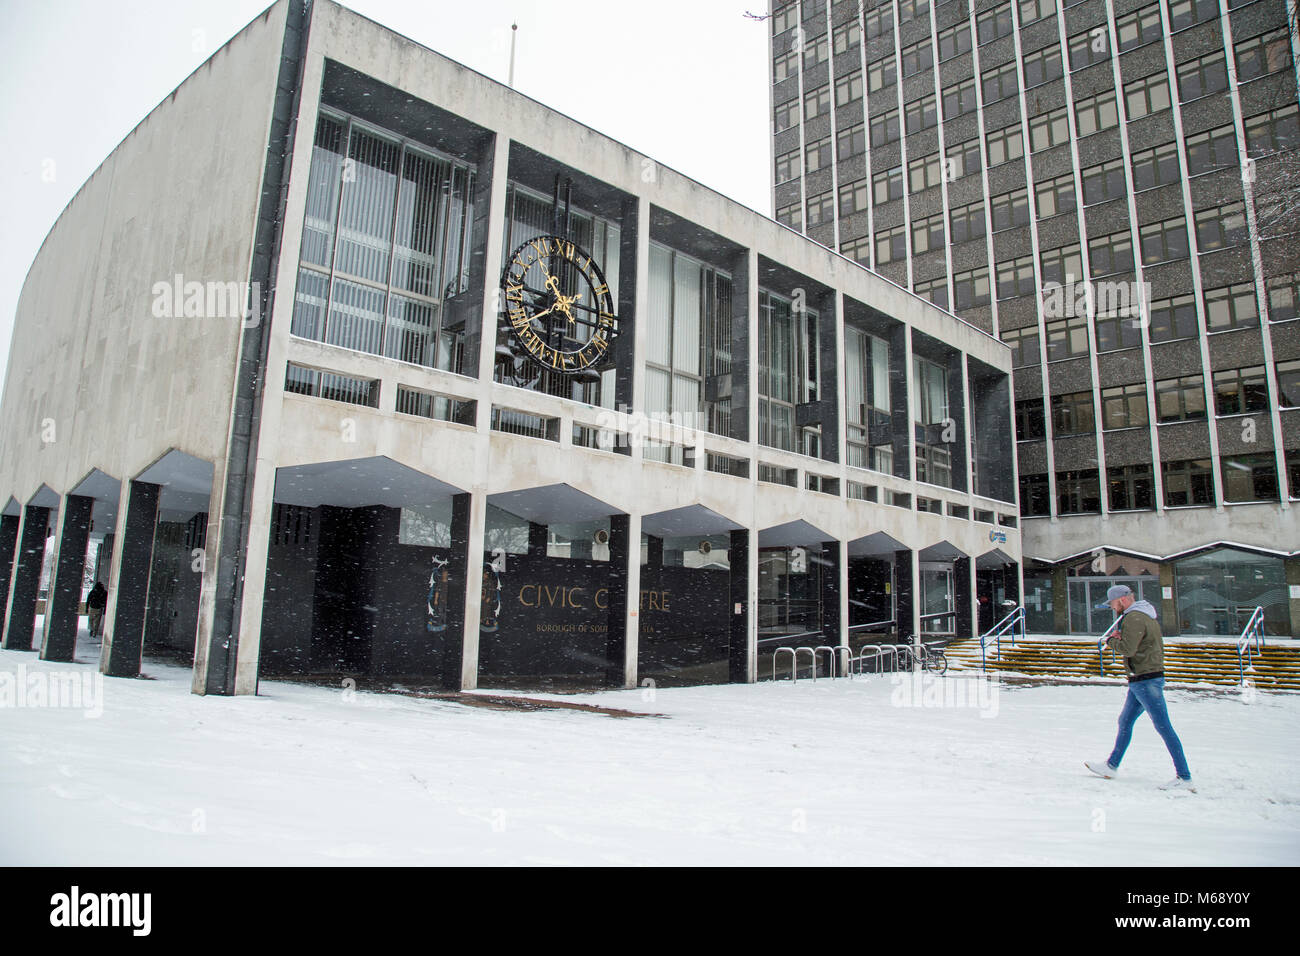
[1111,187]
[354,361]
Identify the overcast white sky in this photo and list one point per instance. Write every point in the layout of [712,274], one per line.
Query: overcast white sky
[682,81]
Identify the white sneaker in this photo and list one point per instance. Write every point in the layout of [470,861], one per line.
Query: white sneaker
[1101,768]
[1178,783]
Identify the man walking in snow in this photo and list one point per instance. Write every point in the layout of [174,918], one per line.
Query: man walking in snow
[1142,646]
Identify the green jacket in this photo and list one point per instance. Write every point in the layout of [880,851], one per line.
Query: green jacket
[1140,641]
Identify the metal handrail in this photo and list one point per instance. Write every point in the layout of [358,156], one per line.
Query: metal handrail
[869,624]
[1252,636]
[1101,645]
[1014,619]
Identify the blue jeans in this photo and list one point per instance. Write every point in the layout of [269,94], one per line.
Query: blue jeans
[1149,696]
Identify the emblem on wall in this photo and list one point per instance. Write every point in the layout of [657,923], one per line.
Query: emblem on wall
[437,601]
[490,608]
[559,306]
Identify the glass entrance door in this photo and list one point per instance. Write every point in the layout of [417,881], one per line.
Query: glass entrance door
[937,600]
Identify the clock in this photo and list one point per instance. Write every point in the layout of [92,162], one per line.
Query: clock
[558,305]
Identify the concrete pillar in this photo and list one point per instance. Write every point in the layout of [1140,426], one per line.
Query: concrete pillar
[631,618]
[128,599]
[20,621]
[620,603]
[907,607]
[832,586]
[1169,623]
[62,606]
[963,582]
[464,571]
[741,611]
[9,525]
[1060,601]
[1291,573]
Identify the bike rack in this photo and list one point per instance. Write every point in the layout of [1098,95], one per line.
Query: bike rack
[794,663]
[876,651]
[844,664]
[812,654]
[817,651]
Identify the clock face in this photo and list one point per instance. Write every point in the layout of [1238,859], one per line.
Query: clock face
[558,303]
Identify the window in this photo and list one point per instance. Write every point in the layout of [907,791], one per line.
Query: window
[1238,391]
[1111,254]
[1185,13]
[1049,129]
[787,166]
[1116,332]
[1271,132]
[1188,483]
[817,102]
[1155,167]
[1091,46]
[1262,55]
[1055,196]
[878,22]
[967,222]
[1173,319]
[787,115]
[1124,406]
[927,234]
[1231,307]
[815,51]
[1249,478]
[891,244]
[818,154]
[848,89]
[884,127]
[1180,399]
[1068,338]
[936,290]
[1031,10]
[1063,265]
[1138,28]
[1221,227]
[912,9]
[1030,422]
[1163,241]
[994,24]
[954,41]
[1283,298]
[1010,209]
[1211,150]
[917,57]
[930,411]
[1078,492]
[1103,183]
[1000,84]
[1203,76]
[922,114]
[1016,278]
[1024,343]
[821,209]
[971,289]
[963,159]
[887,185]
[1288,383]
[867,401]
[859,250]
[1043,66]
[1131,487]
[1035,496]
[785,66]
[785,18]
[787,371]
[881,74]
[1146,96]
[924,173]
[852,141]
[1004,145]
[847,36]
[853,197]
[959,99]
[1095,113]
[790,216]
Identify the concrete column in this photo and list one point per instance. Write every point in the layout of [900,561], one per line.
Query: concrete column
[464,572]
[1060,602]
[1169,623]
[9,525]
[124,633]
[843,595]
[631,619]
[60,640]
[832,586]
[963,582]
[1291,573]
[907,607]
[621,603]
[739,609]
[21,617]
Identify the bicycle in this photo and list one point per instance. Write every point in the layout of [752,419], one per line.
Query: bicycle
[934,660]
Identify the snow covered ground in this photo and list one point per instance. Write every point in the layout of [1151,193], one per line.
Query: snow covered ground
[833,772]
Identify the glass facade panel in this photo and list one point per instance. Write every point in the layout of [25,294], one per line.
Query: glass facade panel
[1218,590]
